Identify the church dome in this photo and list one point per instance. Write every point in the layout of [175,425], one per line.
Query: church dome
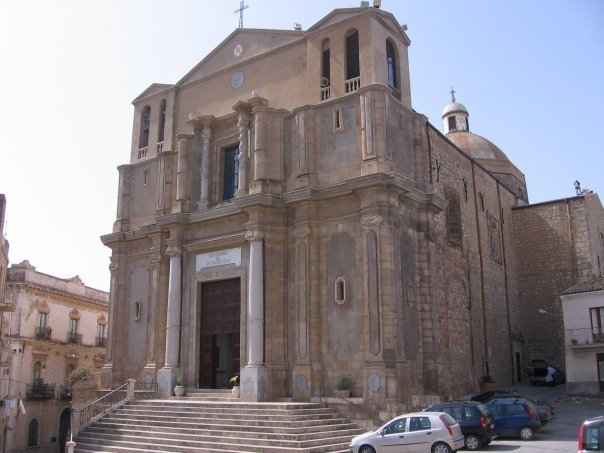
[455,107]
[476,146]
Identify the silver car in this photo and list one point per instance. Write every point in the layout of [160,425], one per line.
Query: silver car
[425,432]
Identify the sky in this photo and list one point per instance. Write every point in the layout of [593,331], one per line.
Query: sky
[530,73]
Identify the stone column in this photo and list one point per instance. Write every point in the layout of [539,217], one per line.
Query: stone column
[108,365]
[204,171]
[174,251]
[254,377]
[243,109]
[184,151]
[166,376]
[260,113]
[150,370]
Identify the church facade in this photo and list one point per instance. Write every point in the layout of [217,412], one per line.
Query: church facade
[288,216]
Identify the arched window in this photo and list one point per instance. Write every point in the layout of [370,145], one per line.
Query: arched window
[162,121]
[391,65]
[32,433]
[353,68]
[145,126]
[325,68]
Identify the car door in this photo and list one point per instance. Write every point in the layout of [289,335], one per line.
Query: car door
[393,436]
[499,419]
[516,417]
[420,434]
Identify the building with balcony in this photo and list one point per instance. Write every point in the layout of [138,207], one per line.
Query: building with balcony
[59,325]
[583,311]
[4,307]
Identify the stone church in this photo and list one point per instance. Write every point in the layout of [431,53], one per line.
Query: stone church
[287,215]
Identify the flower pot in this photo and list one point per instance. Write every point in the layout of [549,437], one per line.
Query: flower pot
[342,393]
[486,386]
[235,391]
[179,390]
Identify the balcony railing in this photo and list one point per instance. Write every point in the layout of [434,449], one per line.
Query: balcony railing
[74,338]
[101,342]
[395,93]
[325,93]
[352,85]
[585,336]
[39,390]
[43,333]
[64,392]
[142,152]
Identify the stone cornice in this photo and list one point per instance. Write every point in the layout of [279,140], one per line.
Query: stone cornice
[66,297]
[400,184]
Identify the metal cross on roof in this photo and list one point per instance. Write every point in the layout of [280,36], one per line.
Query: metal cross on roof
[242,6]
[453,95]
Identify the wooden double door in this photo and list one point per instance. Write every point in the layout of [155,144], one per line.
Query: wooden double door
[220,332]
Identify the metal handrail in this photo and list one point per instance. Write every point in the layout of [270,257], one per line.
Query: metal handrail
[103,405]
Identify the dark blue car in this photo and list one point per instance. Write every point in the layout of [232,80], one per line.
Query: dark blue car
[514,417]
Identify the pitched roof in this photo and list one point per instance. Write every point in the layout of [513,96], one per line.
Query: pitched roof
[596,284]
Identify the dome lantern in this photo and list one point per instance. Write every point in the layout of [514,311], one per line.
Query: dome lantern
[455,116]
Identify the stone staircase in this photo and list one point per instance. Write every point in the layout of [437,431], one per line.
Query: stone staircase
[216,422]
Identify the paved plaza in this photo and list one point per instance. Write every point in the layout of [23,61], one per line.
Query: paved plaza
[560,435]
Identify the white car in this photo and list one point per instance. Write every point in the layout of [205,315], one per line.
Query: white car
[425,432]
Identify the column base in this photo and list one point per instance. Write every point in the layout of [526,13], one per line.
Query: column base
[254,383]
[106,373]
[166,378]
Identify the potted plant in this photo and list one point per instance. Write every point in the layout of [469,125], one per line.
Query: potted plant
[179,389]
[235,383]
[487,383]
[343,386]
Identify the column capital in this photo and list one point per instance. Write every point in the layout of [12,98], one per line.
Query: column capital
[302,232]
[254,235]
[372,220]
[174,248]
[114,266]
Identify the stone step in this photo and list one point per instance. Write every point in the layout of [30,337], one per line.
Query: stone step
[232,408]
[210,413]
[224,426]
[336,431]
[227,404]
[139,446]
[194,440]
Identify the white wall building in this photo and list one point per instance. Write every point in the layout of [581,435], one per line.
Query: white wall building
[583,311]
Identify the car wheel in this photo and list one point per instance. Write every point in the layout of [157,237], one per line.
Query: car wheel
[526,433]
[473,442]
[441,447]
[366,449]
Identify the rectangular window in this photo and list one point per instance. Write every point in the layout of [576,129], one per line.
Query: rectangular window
[597,323]
[495,240]
[73,325]
[452,123]
[231,172]
[337,120]
[453,220]
[42,321]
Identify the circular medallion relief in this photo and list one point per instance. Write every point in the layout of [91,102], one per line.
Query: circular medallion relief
[373,382]
[237,79]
